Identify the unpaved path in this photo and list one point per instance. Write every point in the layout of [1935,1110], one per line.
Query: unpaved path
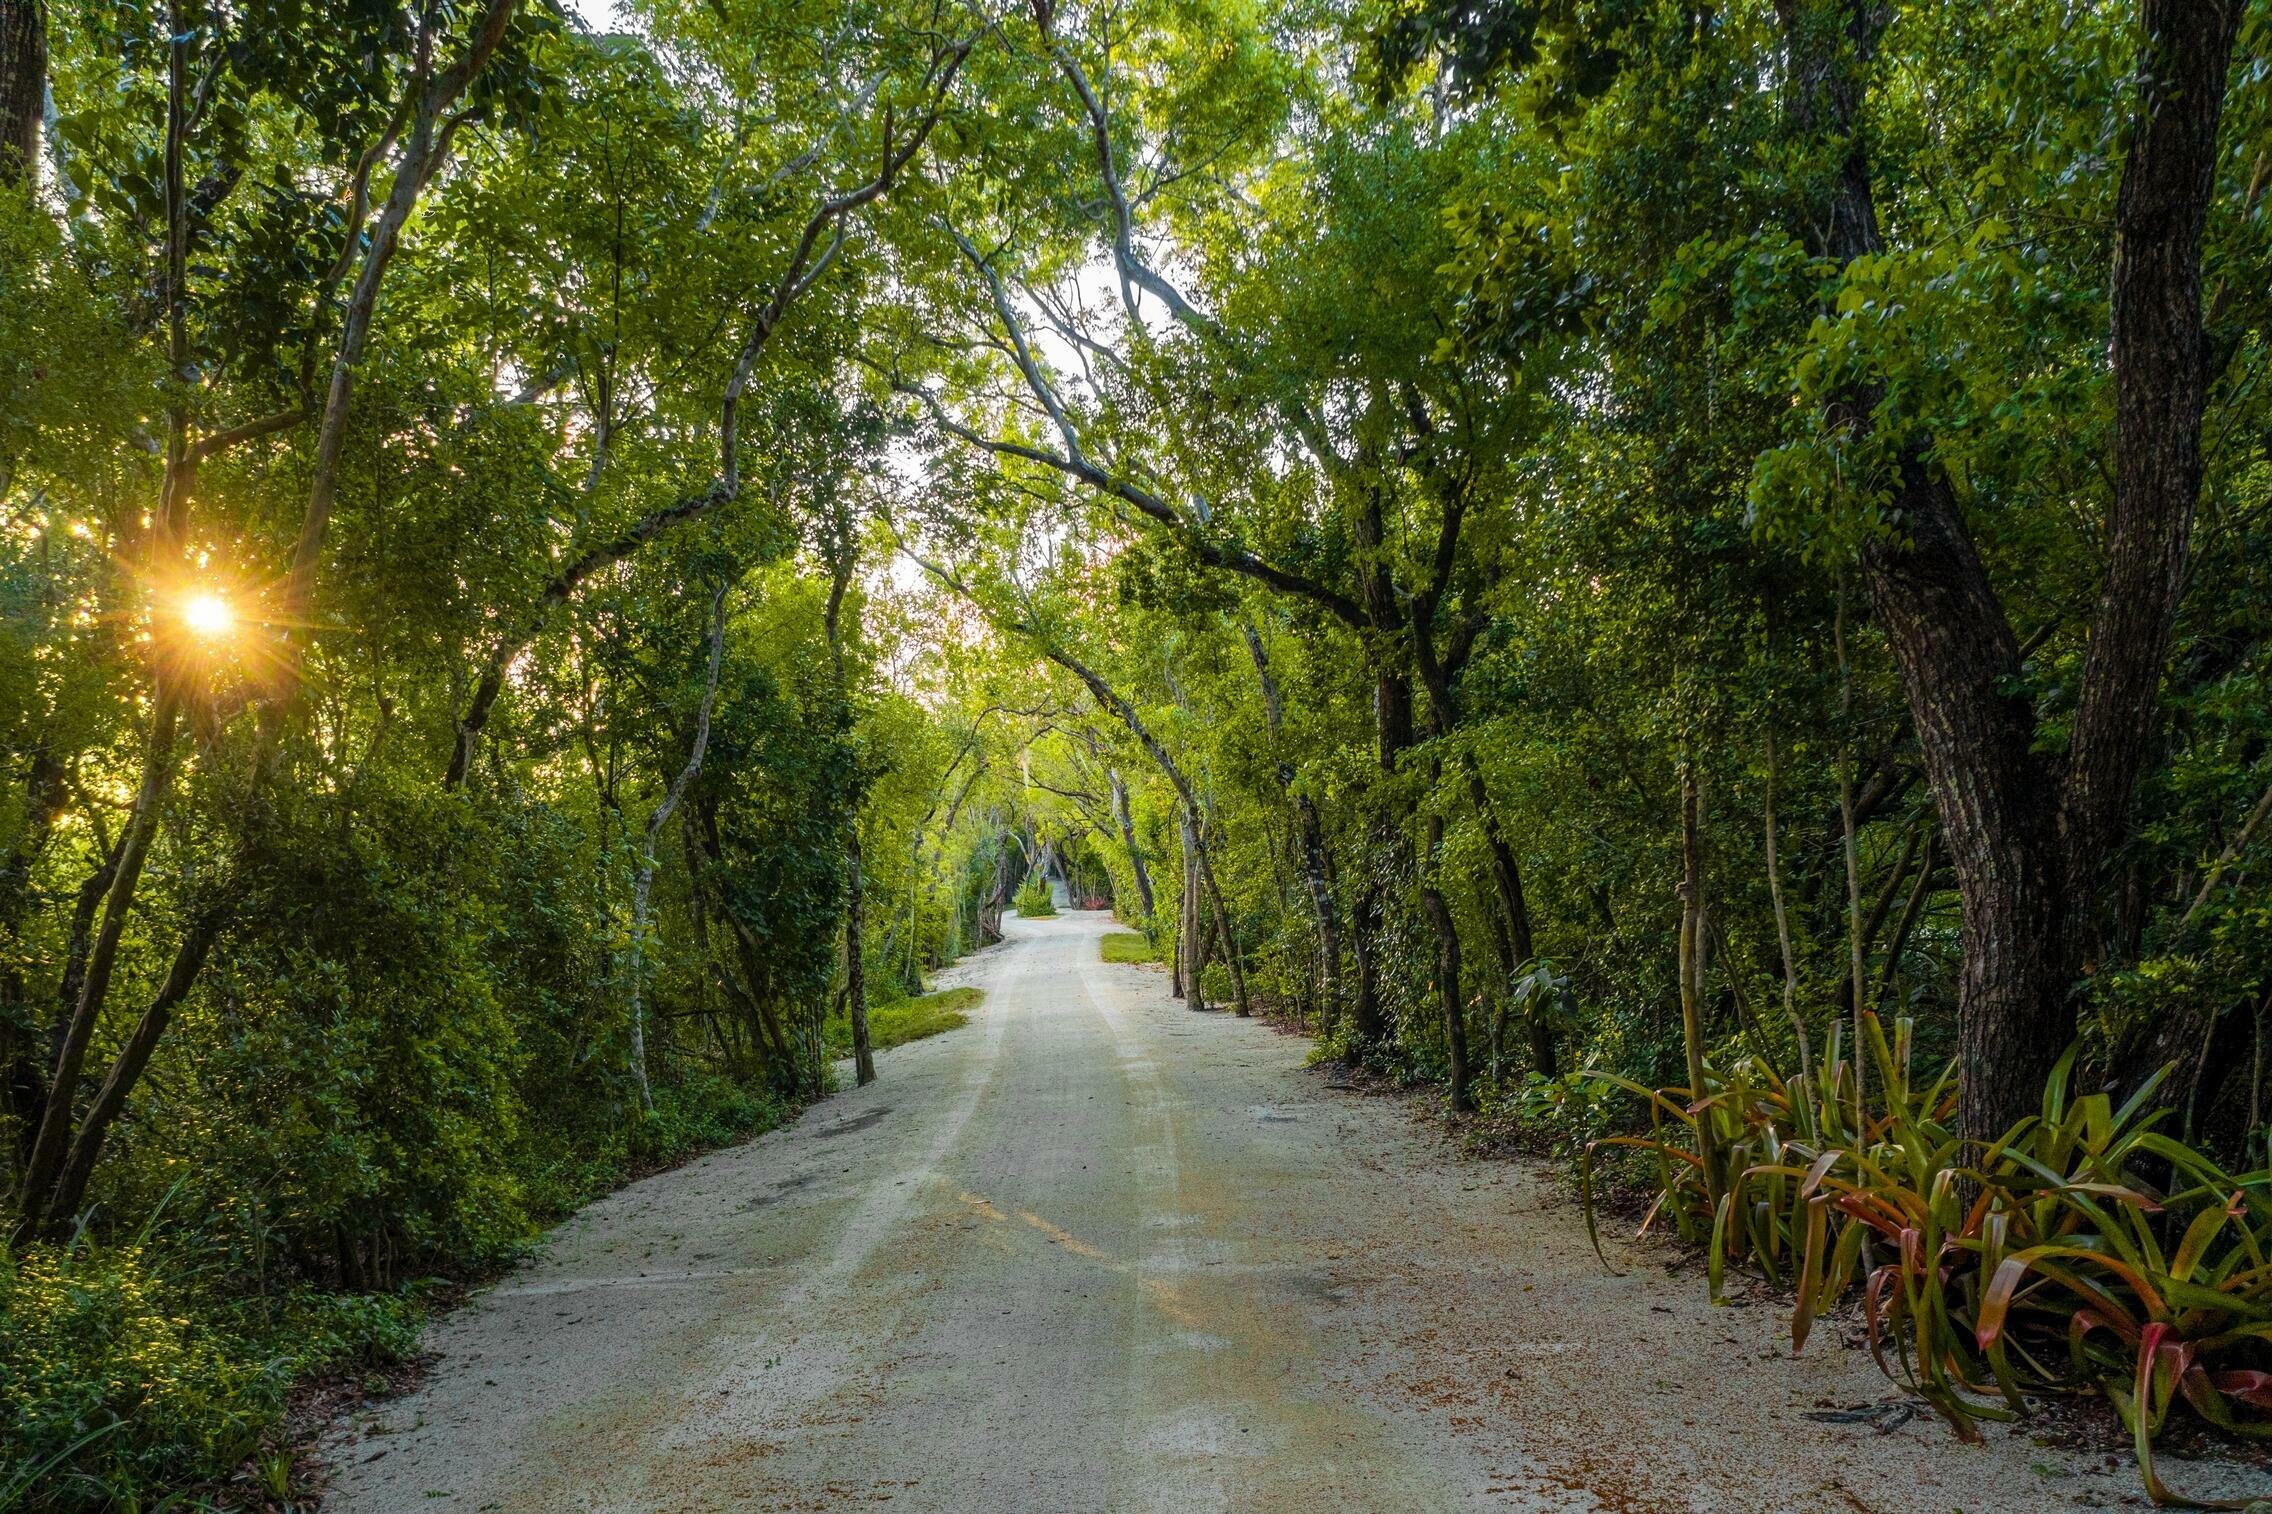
[1094,1252]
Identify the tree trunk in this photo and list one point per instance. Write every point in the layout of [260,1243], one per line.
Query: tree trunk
[1857,990]
[53,1138]
[1127,823]
[1691,967]
[2027,839]
[1191,934]
[1309,830]
[2160,357]
[1959,664]
[1514,907]
[642,886]
[1392,721]
[855,960]
[1392,725]
[1229,943]
[1919,887]
[23,89]
[1783,942]
[1448,985]
[426,147]
[38,1199]
[429,144]
[127,1067]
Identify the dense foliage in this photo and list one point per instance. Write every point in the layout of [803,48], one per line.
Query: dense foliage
[1574,547]
[447,689]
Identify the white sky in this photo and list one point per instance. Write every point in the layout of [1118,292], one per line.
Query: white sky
[599,15]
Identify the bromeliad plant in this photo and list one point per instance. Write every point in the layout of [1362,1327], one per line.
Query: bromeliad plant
[2086,1250]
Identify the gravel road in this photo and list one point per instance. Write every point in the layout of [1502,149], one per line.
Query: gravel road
[1095,1252]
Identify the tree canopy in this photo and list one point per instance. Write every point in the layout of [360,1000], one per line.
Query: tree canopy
[553,560]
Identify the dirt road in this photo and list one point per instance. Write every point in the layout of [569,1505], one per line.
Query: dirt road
[1094,1252]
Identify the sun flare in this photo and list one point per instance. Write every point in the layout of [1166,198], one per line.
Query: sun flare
[208,615]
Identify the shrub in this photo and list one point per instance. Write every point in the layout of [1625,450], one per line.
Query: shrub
[696,1112]
[1032,898]
[2083,1251]
[130,1370]
[112,1383]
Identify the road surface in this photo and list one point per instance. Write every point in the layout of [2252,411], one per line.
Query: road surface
[1095,1252]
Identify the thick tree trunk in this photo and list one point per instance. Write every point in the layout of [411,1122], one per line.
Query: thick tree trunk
[2161,379]
[2161,371]
[1959,664]
[2028,840]
[23,88]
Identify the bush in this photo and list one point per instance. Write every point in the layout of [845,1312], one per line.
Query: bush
[346,1078]
[111,1383]
[125,1375]
[1032,899]
[697,1112]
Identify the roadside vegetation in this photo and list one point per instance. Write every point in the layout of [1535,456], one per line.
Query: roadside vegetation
[907,1020]
[1033,899]
[1692,577]
[1127,946]
[147,1362]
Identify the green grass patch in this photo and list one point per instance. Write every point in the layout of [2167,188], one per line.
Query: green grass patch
[1127,946]
[908,1020]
